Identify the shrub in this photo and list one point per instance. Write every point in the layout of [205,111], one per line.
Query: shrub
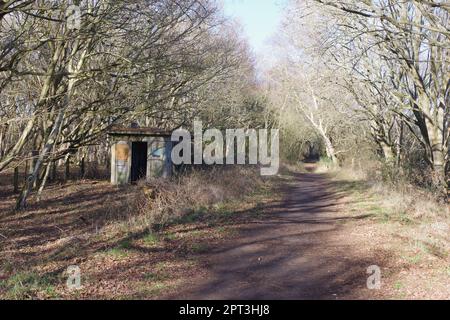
[161,201]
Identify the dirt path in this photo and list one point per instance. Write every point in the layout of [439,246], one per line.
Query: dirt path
[314,239]
[298,251]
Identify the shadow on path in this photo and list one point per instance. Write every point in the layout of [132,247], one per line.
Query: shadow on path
[291,254]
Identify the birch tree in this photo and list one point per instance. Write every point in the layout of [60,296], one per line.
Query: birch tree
[411,40]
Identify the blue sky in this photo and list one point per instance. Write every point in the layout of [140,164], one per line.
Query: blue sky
[259,18]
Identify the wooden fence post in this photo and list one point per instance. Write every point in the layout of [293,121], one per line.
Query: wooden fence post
[53,172]
[82,167]
[16,180]
[26,171]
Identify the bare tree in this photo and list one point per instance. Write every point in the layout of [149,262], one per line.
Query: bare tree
[63,85]
[407,43]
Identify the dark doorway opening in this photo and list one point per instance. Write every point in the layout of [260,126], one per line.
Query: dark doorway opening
[139,161]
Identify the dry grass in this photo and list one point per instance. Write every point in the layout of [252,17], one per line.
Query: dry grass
[412,223]
[109,232]
[159,202]
[422,213]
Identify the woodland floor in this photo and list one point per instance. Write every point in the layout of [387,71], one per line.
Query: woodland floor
[310,236]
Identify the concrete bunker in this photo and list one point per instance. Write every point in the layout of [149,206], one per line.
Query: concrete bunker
[140,153]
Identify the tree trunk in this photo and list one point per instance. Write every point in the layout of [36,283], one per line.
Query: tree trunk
[16,180]
[1,143]
[26,169]
[439,168]
[437,150]
[22,201]
[44,180]
[67,168]
[82,167]
[329,148]
[331,153]
[399,143]
[34,155]
[53,172]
